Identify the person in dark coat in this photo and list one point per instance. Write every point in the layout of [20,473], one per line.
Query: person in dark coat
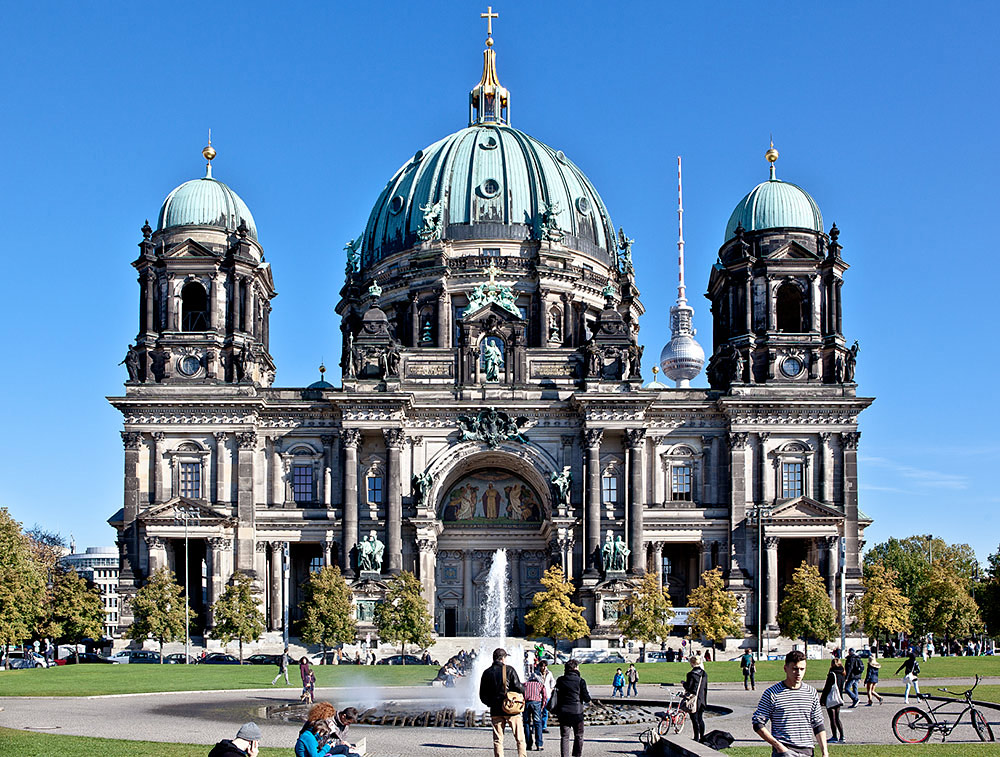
[246,743]
[697,683]
[834,680]
[571,695]
[491,693]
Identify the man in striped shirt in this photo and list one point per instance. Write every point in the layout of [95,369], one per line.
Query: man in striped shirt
[792,708]
[534,699]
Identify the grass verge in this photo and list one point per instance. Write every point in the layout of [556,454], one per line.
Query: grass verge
[885,750]
[27,744]
[90,680]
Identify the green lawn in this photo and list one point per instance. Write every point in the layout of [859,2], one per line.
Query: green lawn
[983,692]
[88,680]
[880,750]
[26,744]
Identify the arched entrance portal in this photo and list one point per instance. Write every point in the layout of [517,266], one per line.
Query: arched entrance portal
[489,501]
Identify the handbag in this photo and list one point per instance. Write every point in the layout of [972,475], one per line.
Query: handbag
[553,702]
[513,701]
[833,697]
[690,702]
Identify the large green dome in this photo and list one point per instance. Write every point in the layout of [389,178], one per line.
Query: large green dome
[205,202]
[775,204]
[493,182]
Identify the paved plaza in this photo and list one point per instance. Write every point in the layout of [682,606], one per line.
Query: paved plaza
[206,717]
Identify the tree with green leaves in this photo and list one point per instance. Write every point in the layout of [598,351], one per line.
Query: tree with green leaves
[713,613]
[911,558]
[552,613]
[328,610]
[74,610]
[945,606]
[883,608]
[402,617]
[159,610]
[987,593]
[806,612]
[237,612]
[22,584]
[646,614]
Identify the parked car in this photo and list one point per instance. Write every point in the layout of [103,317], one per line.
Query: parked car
[404,659]
[218,658]
[179,658]
[263,659]
[331,658]
[18,659]
[85,658]
[136,656]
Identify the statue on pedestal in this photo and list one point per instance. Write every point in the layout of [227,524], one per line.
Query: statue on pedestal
[370,553]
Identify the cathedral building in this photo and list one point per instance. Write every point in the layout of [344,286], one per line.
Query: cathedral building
[491,397]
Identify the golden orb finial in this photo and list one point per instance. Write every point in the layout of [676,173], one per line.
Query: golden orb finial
[322,371]
[208,152]
[771,155]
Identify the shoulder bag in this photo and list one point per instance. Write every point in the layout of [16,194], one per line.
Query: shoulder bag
[833,697]
[513,701]
[690,702]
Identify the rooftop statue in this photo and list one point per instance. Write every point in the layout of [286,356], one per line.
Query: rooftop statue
[353,249]
[432,221]
[625,252]
[550,223]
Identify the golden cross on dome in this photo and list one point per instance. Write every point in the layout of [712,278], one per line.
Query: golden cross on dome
[489,16]
[492,270]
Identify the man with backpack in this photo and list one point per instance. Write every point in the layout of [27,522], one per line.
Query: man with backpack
[854,668]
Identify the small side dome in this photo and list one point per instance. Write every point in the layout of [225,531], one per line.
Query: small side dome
[205,202]
[775,204]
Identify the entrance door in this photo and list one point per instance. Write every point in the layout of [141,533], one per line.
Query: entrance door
[450,621]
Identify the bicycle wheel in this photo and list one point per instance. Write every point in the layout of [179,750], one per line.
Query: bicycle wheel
[663,727]
[911,725]
[982,726]
[680,718]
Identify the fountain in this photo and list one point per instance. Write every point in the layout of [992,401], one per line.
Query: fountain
[461,706]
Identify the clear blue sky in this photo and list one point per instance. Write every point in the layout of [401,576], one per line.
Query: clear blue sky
[885,112]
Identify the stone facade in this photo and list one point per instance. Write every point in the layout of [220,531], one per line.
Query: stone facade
[491,398]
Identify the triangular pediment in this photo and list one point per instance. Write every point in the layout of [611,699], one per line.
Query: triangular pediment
[488,309]
[172,511]
[803,508]
[189,249]
[793,251]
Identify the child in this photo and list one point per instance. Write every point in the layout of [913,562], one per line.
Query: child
[619,684]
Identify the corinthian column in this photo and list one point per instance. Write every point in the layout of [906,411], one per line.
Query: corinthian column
[635,438]
[394,503]
[593,519]
[351,439]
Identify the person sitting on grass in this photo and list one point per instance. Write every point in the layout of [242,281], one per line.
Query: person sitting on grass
[246,743]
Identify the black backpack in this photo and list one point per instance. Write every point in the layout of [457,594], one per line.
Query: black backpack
[718,740]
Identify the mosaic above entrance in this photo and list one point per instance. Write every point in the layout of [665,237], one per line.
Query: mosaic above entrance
[491,496]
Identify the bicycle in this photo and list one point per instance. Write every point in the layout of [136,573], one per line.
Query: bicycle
[671,719]
[911,725]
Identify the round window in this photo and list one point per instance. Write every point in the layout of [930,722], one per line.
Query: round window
[396,204]
[488,142]
[189,365]
[560,156]
[490,188]
[583,205]
[792,366]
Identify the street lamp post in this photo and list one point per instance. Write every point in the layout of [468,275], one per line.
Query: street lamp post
[187,594]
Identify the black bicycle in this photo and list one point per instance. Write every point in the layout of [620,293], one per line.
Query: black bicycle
[911,725]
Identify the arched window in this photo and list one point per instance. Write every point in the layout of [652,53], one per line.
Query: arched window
[194,307]
[789,308]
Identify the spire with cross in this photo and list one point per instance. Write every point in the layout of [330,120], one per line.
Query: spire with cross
[489,101]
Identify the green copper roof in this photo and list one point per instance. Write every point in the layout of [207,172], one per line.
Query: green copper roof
[205,202]
[775,204]
[489,182]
